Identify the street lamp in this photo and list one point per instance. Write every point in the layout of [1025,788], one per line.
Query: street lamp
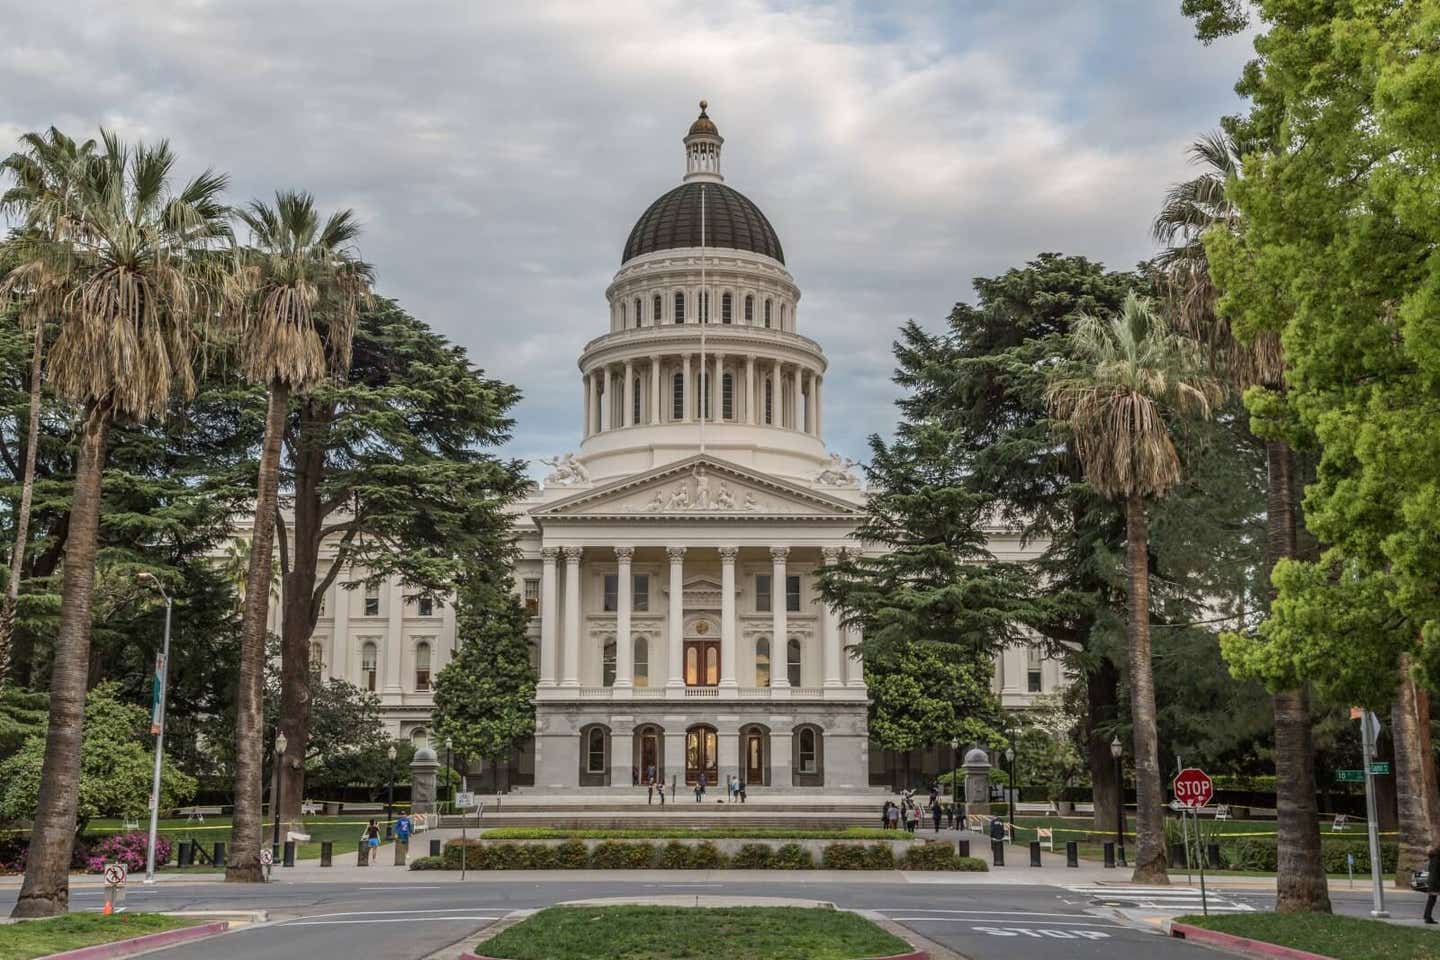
[390,796]
[157,725]
[955,771]
[280,744]
[1117,751]
[1010,759]
[448,771]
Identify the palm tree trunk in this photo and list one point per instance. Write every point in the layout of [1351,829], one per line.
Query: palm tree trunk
[1415,781]
[1149,803]
[22,515]
[1300,884]
[46,890]
[248,821]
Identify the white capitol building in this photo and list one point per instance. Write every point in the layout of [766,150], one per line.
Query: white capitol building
[670,562]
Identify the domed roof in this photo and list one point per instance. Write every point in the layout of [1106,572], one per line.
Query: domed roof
[703,123]
[976,757]
[731,220]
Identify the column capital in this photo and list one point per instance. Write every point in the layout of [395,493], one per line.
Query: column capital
[831,554]
[624,554]
[549,554]
[779,553]
[572,554]
[728,554]
[676,554]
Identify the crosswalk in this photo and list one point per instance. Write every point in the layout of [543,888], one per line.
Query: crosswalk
[1170,899]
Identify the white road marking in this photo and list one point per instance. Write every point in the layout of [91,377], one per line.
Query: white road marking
[342,923]
[381,913]
[1051,923]
[983,913]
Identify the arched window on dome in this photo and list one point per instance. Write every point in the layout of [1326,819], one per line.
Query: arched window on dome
[727,397]
[783,311]
[637,312]
[769,401]
[635,402]
[726,308]
[767,313]
[679,306]
[624,316]
[704,306]
[677,390]
[749,309]
[657,310]
[702,398]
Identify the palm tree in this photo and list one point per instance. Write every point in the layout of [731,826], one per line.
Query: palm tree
[43,196]
[302,286]
[1192,209]
[137,293]
[1134,374]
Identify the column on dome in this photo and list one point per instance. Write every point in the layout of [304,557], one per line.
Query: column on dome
[624,646]
[818,405]
[830,630]
[629,402]
[777,405]
[727,616]
[717,412]
[570,665]
[779,628]
[750,389]
[810,404]
[594,421]
[654,389]
[675,619]
[549,615]
[585,389]
[686,394]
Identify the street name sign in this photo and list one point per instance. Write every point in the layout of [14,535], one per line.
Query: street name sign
[1193,788]
[1349,776]
[1380,768]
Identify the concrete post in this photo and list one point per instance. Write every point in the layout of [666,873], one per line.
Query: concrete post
[424,771]
[977,782]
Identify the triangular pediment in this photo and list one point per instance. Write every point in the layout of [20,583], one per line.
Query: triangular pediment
[699,488]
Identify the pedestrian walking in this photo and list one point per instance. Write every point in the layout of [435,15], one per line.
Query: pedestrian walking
[935,813]
[700,788]
[650,774]
[634,776]
[649,793]
[742,790]
[372,842]
[660,789]
[1433,868]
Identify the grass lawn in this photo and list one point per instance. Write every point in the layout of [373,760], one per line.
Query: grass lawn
[1346,938]
[39,938]
[681,933]
[343,831]
[695,833]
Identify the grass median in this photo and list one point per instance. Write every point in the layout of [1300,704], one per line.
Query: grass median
[681,933]
[39,938]
[694,833]
[1345,938]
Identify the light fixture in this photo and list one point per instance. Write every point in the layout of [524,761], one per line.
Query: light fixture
[1009,754]
[280,742]
[391,753]
[1116,749]
[954,743]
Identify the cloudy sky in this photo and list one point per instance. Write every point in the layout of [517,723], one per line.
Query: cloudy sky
[499,152]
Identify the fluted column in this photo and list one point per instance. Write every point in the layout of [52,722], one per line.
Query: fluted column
[570,667]
[810,405]
[819,397]
[585,403]
[655,387]
[779,628]
[750,390]
[549,616]
[777,402]
[687,395]
[830,630]
[626,415]
[624,645]
[675,625]
[597,422]
[727,615]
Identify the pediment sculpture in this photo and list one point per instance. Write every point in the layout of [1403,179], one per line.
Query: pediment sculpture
[694,494]
[566,471]
[838,473]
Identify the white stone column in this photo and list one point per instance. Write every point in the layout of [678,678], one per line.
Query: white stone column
[570,663]
[675,624]
[340,629]
[624,645]
[585,403]
[779,628]
[394,635]
[594,422]
[750,390]
[626,415]
[687,395]
[810,406]
[819,397]
[727,616]
[830,631]
[549,616]
[655,389]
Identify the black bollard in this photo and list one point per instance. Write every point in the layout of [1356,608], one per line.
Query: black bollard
[1034,853]
[434,848]
[963,847]
[997,849]
[217,854]
[274,853]
[327,853]
[1212,856]
[186,856]
[1110,855]
[289,853]
[1072,853]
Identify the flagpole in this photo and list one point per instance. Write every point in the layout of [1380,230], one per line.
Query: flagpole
[704,311]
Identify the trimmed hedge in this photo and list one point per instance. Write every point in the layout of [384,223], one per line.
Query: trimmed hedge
[692,833]
[1260,853]
[428,863]
[620,855]
[857,856]
[940,856]
[791,856]
[614,855]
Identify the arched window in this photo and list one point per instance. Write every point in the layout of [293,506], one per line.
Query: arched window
[677,406]
[637,311]
[807,750]
[792,662]
[367,667]
[727,396]
[317,663]
[595,750]
[782,316]
[419,738]
[635,401]
[762,662]
[642,662]
[657,310]
[679,307]
[624,317]
[725,309]
[767,313]
[422,666]
[769,401]
[607,665]
[750,309]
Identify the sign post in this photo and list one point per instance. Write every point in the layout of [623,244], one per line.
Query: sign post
[115,876]
[267,860]
[1369,730]
[1193,790]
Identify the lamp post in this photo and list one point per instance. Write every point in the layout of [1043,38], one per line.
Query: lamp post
[1010,760]
[280,744]
[1117,750]
[448,744]
[157,725]
[390,796]
[955,771]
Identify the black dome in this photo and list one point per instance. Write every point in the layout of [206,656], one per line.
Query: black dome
[731,220]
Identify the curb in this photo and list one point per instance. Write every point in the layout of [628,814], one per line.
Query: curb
[151,941]
[1255,948]
[899,956]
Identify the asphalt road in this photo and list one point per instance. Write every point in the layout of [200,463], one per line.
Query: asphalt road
[363,920]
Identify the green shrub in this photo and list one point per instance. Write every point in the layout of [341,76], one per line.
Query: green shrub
[572,855]
[474,852]
[971,865]
[428,863]
[792,856]
[508,856]
[542,857]
[614,855]
[753,856]
[706,856]
[674,856]
[1259,853]
[929,856]
[858,856]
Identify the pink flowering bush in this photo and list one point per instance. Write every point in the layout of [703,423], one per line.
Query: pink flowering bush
[127,848]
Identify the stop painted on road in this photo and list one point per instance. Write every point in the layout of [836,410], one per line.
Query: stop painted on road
[1041,933]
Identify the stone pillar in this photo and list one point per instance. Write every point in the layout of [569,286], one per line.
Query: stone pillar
[549,616]
[394,635]
[570,664]
[830,631]
[727,758]
[624,644]
[626,415]
[819,380]
[594,422]
[810,405]
[686,395]
[777,403]
[779,629]
[424,769]
[585,404]
[655,388]
[750,403]
[675,655]
[727,616]
[340,630]
[673,763]
[854,663]
[717,395]
[977,782]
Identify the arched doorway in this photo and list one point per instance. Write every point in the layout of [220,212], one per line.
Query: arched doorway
[755,755]
[702,754]
[650,752]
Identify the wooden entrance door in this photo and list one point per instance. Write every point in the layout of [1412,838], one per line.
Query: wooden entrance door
[702,663]
[702,749]
[754,758]
[649,756]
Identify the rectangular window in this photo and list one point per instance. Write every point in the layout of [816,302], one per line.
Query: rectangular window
[1033,677]
[422,666]
[607,665]
[372,599]
[532,596]
[762,593]
[679,308]
[641,596]
[677,405]
[727,397]
[612,593]
[425,606]
[726,311]
[792,593]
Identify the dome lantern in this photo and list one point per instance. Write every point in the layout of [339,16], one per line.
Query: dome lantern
[702,149]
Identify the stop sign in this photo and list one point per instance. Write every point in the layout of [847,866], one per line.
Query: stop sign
[1193,788]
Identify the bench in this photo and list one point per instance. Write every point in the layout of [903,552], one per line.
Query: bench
[363,808]
[310,808]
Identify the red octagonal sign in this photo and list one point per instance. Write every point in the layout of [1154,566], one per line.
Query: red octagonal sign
[1193,788]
